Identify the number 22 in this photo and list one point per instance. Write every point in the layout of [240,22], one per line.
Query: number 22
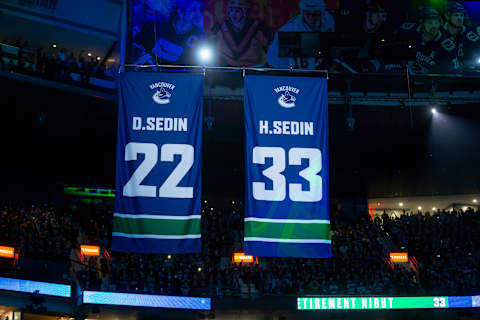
[170,188]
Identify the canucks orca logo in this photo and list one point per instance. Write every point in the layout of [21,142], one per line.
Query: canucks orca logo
[163,91]
[287,99]
[162,96]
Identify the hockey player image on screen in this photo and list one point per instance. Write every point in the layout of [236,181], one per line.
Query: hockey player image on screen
[148,11]
[313,17]
[465,37]
[436,52]
[172,41]
[241,40]
[369,28]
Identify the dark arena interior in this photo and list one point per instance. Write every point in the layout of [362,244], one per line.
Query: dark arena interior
[387,227]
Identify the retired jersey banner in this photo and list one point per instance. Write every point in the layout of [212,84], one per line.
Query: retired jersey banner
[287,191]
[158,174]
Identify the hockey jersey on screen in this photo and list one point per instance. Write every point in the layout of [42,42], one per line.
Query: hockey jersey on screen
[468,45]
[436,56]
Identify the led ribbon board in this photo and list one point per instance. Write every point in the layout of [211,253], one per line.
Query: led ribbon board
[158,172]
[378,303]
[145,300]
[87,250]
[239,257]
[287,190]
[398,256]
[7,252]
[52,289]
[89,192]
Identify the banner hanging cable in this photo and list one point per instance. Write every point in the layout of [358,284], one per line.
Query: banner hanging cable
[292,70]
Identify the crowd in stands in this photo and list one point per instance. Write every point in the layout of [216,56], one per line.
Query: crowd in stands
[43,236]
[39,231]
[52,64]
[445,244]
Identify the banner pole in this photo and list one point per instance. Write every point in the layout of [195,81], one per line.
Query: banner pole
[242,69]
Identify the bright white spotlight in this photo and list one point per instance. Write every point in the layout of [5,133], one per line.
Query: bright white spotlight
[478,61]
[205,54]
[434,110]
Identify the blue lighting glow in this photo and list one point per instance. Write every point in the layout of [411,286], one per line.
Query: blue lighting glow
[476,301]
[52,289]
[146,300]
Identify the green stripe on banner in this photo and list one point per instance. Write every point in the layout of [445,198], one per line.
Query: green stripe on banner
[156,226]
[255,229]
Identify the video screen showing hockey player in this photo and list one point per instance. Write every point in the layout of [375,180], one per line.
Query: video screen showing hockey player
[166,31]
[458,27]
[240,39]
[313,16]
[435,51]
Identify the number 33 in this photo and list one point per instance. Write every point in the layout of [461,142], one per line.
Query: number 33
[274,173]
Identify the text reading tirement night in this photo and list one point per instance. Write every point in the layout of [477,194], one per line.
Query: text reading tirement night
[349,303]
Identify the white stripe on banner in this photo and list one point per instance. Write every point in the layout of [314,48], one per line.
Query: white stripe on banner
[153,216]
[288,240]
[286,220]
[156,236]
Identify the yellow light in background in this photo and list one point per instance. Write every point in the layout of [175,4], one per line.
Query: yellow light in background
[474,200]
[434,208]
[419,208]
[89,54]
[400,204]
[199,269]
[98,58]
[54,45]
[169,256]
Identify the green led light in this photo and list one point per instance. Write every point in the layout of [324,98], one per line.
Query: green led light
[439,5]
[367,303]
[89,192]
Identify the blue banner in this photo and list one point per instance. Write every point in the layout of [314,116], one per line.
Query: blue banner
[158,173]
[287,191]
